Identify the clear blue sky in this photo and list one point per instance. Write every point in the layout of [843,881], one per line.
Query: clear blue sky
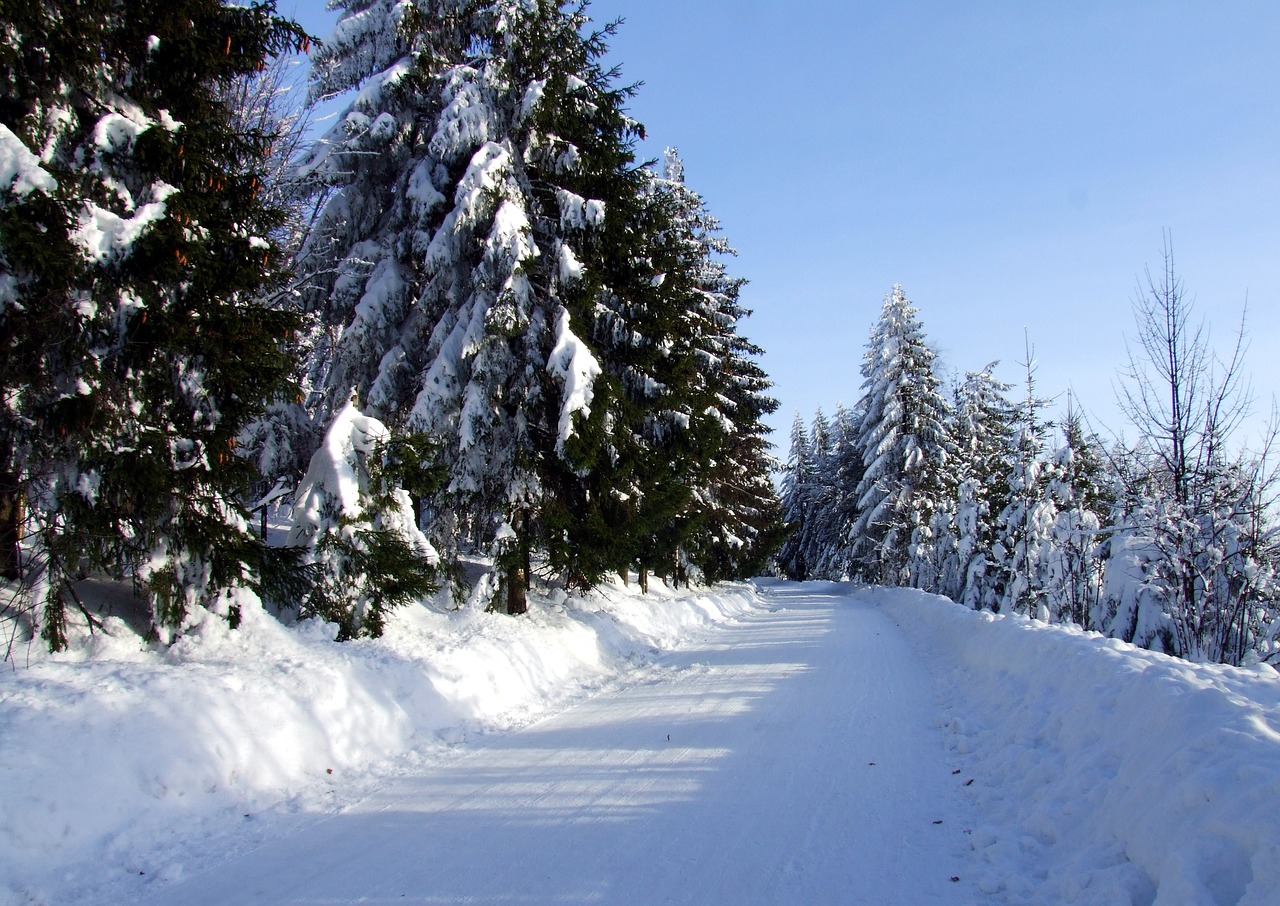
[1012,164]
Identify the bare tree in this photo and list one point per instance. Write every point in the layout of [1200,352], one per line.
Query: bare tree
[274,103]
[1184,401]
[1204,501]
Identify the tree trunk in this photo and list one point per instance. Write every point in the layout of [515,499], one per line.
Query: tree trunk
[643,578]
[10,526]
[516,579]
[517,590]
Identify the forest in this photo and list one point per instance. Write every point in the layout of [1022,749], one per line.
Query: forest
[466,322]
[1167,540]
[464,318]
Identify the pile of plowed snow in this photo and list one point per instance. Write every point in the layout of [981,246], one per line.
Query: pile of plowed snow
[1095,772]
[1104,773]
[119,758]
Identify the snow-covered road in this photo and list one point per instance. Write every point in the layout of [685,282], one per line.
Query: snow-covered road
[793,756]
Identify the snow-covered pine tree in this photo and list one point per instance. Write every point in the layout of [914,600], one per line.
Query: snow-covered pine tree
[811,542]
[982,437]
[797,490]
[355,520]
[135,245]
[1025,526]
[491,269]
[632,487]
[732,523]
[819,536]
[902,438]
[1083,502]
[835,503]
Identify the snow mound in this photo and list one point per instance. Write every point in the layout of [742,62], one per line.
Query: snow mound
[1108,774]
[20,170]
[125,765]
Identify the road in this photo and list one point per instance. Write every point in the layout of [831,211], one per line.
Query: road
[790,757]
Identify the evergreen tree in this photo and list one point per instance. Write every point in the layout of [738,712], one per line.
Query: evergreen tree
[1083,504]
[797,491]
[902,438]
[135,247]
[356,522]
[819,536]
[498,272]
[982,435]
[736,516]
[1025,527]
[835,505]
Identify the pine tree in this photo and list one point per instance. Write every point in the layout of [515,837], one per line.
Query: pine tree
[732,523]
[135,247]
[498,272]
[354,517]
[835,504]
[1025,526]
[903,444]
[1083,503]
[797,492]
[982,434]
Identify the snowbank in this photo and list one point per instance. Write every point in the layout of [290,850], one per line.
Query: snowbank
[1108,774]
[121,764]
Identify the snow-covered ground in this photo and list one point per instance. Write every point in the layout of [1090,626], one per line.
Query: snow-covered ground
[779,743]
[1104,773]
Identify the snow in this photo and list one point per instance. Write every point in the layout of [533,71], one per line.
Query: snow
[577,212]
[572,363]
[571,269]
[421,190]
[1106,773]
[785,743]
[467,121]
[20,171]
[488,168]
[533,96]
[126,764]
[105,236]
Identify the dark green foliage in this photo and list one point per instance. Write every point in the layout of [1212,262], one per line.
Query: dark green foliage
[501,272]
[360,545]
[378,561]
[133,350]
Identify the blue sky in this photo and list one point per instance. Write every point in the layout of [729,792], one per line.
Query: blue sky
[1012,164]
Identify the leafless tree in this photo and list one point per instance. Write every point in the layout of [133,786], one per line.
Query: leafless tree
[1205,500]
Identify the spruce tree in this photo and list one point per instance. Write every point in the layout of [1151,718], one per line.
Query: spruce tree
[135,246]
[1025,525]
[732,523]
[797,490]
[983,439]
[354,517]
[497,271]
[1083,503]
[835,503]
[902,438]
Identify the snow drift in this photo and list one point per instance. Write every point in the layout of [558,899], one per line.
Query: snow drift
[122,764]
[1105,773]
[1092,772]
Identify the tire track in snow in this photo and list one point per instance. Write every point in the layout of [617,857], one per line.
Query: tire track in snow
[790,757]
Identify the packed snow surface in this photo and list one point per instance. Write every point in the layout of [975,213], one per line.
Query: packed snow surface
[782,743]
